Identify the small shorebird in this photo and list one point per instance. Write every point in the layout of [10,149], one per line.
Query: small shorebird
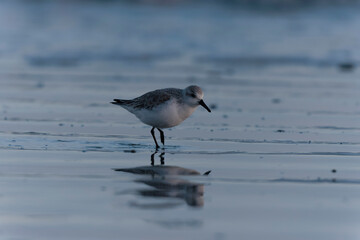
[164,108]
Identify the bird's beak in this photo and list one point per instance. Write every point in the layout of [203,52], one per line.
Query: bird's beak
[201,102]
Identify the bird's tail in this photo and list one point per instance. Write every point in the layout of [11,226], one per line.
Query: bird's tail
[121,102]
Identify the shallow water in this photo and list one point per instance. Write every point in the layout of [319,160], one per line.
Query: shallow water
[282,141]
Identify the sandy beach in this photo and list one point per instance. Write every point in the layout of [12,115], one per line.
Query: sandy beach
[282,141]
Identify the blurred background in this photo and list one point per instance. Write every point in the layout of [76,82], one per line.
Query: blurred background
[223,35]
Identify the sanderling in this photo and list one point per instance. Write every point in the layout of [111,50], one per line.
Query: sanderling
[164,108]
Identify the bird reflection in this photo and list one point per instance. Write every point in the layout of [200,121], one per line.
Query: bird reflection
[162,158]
[166,182]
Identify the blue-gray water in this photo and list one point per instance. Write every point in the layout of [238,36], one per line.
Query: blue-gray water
[282,141]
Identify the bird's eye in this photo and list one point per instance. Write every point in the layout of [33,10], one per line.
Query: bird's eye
[193,95]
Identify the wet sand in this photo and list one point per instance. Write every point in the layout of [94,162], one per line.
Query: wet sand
[282,141]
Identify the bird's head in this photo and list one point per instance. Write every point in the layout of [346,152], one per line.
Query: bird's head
[194,97]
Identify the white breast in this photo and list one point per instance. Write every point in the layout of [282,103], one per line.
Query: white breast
[166,115]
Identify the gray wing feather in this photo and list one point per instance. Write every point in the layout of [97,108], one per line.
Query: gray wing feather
[151,99]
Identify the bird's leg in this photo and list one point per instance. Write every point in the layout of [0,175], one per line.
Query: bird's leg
[152,158]
[162,136]
[162,158]
[153,134]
